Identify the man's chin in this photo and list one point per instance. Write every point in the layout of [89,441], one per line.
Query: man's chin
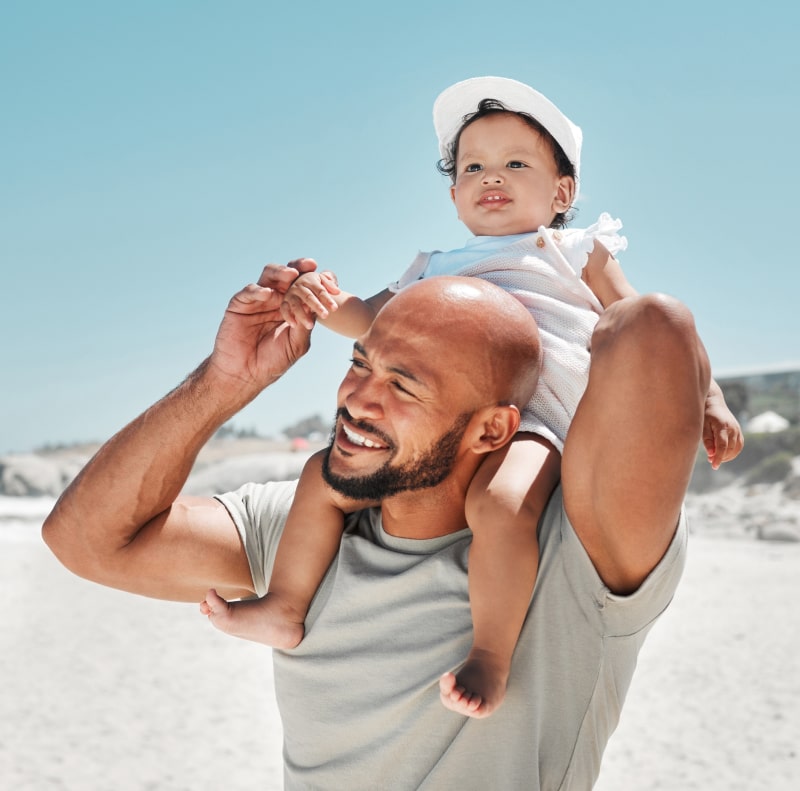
[346,478]
[336,467]
[344,464]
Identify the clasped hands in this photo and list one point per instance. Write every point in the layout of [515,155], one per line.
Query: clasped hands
[261,335]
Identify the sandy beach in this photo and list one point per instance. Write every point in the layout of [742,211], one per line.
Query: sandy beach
[104,690]
[715,702]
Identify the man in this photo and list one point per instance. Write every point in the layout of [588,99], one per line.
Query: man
[431,392]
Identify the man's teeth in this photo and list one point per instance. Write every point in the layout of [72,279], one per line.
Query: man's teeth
[357,439]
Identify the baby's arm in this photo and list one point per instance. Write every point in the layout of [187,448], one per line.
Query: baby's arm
[317,296]
[604,276]
[722,434]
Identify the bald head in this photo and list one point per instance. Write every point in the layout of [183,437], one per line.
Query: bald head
[473,328]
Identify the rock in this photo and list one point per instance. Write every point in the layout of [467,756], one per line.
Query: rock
[228,474]
[778,531]
[221,466]
[791,487]
[32,475]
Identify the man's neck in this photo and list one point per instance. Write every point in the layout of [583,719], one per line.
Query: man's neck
[425,513]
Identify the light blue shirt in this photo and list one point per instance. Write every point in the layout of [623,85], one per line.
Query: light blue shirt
[476,249]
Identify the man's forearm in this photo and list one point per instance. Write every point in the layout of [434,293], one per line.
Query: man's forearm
[140,471]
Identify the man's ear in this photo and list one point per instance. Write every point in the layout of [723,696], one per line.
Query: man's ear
[565,194]
[496,427]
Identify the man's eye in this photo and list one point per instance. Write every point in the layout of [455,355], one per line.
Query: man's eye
[356,363]
[473,168]
[397,386]
[515,163]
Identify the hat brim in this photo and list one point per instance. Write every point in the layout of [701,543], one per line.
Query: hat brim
[462,99]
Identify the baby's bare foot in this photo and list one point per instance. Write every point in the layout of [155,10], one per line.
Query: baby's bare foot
[479,688]
[264,620]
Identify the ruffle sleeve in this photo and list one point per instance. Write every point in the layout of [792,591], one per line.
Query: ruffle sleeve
[577,243]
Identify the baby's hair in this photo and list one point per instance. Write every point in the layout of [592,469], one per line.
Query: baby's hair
[447,165]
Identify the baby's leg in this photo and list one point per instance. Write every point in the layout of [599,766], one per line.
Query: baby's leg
[504,503]
[309,543]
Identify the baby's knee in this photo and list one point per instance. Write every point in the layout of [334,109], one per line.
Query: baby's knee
[654,326]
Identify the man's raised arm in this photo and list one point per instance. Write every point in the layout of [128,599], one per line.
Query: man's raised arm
[122,522]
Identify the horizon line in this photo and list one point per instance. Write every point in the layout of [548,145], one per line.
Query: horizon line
[759,370]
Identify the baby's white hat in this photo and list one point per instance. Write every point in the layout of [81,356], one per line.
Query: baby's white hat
[462,99]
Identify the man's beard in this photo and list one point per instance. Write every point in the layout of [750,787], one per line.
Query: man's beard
[428,469]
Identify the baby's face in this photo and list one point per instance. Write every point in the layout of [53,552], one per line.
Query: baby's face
[507,181]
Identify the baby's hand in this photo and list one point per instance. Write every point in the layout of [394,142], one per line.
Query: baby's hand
[722,434]
[308,297]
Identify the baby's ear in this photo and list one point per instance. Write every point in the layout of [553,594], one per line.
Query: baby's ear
[497,427]
[565,194]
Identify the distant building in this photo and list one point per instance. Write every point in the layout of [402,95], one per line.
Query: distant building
[768,422]
[751,392]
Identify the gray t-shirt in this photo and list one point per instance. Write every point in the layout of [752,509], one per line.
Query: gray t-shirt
[359,696]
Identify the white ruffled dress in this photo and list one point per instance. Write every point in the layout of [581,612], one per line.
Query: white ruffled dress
[542,270]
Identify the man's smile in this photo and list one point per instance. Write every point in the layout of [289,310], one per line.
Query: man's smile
[360,439]
[354,437]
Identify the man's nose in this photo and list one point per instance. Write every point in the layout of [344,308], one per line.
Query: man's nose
[362,398]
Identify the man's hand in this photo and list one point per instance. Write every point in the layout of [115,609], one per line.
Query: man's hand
[281,277]
[123,522]
[254,345]
[722,434]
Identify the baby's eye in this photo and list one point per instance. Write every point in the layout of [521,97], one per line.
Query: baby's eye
[515,163]
[473,168]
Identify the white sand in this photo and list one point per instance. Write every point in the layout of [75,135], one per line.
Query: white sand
[715,702]
[103,690]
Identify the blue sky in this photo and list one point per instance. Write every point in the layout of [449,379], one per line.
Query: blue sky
[155,155]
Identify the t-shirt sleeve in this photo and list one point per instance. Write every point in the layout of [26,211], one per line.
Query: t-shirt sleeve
[620,616]
[259,511]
